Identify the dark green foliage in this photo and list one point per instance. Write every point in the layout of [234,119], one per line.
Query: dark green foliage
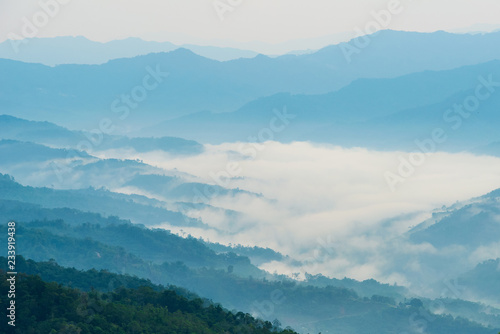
[101,280]
[156,246]
[51,308]
[89,241]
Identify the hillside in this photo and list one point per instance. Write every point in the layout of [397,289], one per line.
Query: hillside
[108,243]
[50,308]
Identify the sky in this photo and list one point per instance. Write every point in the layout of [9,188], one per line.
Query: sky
[268,26]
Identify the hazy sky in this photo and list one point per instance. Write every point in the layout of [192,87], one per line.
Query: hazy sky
[246,23]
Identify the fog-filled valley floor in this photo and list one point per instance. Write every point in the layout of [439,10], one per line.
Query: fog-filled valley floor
[199,189]
[280,213]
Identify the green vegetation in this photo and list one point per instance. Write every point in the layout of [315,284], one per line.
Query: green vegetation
[106,246]
[51,308]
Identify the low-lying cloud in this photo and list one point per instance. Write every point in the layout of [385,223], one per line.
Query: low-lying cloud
[317,195]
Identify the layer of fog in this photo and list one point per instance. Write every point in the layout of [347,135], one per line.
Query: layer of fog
[331,207]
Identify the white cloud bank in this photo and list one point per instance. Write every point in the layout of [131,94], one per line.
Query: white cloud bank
[332,201]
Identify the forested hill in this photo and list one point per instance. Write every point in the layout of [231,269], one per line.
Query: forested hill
[43,307]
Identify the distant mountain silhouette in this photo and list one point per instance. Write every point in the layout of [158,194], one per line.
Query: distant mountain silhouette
[80,95]
[41,50]
[373,113]
[56,136]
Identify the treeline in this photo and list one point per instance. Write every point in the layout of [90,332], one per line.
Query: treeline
[43,307]
[339,309]
[83,240]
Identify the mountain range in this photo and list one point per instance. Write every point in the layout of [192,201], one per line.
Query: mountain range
[40,50]
[104,149]
[186,83]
